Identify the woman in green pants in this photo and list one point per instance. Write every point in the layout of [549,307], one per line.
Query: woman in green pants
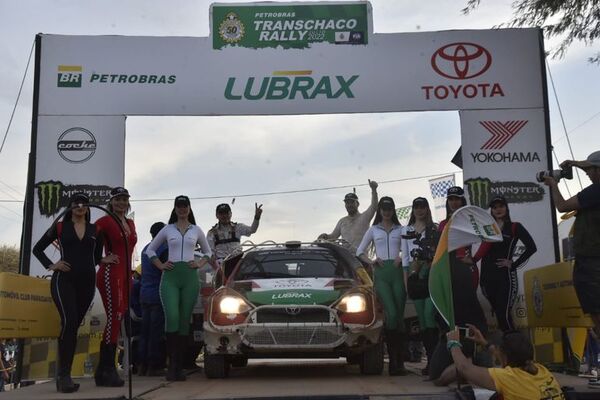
[386,234]
[179,283]
[418,248]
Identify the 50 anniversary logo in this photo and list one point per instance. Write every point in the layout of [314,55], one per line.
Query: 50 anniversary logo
[54,195]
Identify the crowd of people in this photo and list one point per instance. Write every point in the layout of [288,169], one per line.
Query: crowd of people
[398,257]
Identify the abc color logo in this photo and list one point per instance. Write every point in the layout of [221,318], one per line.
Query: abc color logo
[461,60]
[76,145]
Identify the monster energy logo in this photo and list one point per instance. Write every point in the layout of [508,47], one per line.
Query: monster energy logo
[482,190]
[54,195]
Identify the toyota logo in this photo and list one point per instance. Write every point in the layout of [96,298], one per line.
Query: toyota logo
[461,60]
[76,145]
[292,310]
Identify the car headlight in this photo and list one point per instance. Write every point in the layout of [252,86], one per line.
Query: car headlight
[233,305]
[353,303]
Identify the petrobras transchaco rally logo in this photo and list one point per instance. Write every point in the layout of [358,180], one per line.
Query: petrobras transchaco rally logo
[290,85]
[502,132]
[482,190]
[54,195]
[72,76]
[459,62]
[76,145]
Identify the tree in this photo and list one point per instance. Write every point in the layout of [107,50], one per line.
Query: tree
[9,258]
[573,19]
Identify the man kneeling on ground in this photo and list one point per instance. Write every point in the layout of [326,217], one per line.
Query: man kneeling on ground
[520,378]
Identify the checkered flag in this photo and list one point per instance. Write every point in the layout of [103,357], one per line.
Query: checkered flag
[403,214]
[439,186]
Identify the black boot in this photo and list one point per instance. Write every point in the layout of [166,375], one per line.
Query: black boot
[430,341]
[106,373]
[182,345]
[391,342]
[66,352]
[402,350]
[172,354]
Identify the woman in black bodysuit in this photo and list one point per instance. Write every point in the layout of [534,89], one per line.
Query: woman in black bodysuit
[73,280]
[499,263]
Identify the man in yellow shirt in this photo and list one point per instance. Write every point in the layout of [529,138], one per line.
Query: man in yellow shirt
[520,378]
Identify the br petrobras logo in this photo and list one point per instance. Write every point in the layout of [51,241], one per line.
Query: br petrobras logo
[502,133]
[76,145]
[461,60]
[69,75]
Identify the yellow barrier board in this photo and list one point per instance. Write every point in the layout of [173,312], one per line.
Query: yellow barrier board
[551,299]
[26,307]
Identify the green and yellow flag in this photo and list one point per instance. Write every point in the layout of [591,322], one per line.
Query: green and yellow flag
[468,225]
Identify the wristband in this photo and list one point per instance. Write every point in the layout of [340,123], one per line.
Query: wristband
[452,344]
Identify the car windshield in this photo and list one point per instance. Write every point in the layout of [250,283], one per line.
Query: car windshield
[300,263]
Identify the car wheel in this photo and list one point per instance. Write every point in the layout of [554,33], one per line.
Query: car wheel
[371,360]
[216,366]
[239,362]
[353,359]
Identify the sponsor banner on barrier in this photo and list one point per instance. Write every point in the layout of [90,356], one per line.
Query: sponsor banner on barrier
[75,154]
[26,307]
[449,70]
[289,25]
[551,297]
[502,151]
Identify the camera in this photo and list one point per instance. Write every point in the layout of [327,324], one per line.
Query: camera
[557,174]
[425,250]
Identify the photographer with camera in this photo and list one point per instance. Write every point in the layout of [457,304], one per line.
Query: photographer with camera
[586,243]
[418,248]
[499,281]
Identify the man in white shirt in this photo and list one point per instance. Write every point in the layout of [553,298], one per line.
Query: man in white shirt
[352,227]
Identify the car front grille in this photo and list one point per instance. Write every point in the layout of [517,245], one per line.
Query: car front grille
[292,326]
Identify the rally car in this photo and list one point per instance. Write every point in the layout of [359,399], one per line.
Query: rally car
[292,300]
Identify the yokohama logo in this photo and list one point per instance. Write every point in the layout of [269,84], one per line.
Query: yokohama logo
[502,133]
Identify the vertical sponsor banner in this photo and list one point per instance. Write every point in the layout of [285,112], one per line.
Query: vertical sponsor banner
[502,150]
[74,154]
[439,187]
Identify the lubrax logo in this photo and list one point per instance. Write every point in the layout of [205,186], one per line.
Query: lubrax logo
[289,85]
[72,76]
[69,75]
[461,61]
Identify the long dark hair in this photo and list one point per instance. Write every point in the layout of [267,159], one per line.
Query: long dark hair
[428,217]
[449,212]
[379,217]
[506,218]
[191,218]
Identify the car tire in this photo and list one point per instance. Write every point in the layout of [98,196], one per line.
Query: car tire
[216,366]
[239,362]
[353,359]
[371,360]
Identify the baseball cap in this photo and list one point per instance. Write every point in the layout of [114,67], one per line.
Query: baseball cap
[455,191]
[223,207]
[387,203]
[351,197]
[118,191]
[498,199]
[420,201]
[182,200]
[79,198]
[593,160]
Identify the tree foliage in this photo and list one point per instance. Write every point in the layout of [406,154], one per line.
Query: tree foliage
[567,19]
[9,258]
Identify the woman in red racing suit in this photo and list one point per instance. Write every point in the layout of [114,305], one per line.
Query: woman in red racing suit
[111,280]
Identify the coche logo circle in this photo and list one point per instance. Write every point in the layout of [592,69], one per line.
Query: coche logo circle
[76,145]
[461,60]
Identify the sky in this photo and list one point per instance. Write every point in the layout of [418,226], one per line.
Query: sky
[236,156]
